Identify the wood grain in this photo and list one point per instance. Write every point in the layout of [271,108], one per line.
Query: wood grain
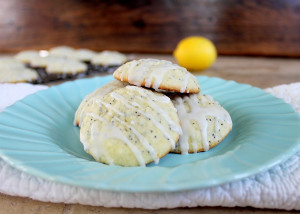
[237,27]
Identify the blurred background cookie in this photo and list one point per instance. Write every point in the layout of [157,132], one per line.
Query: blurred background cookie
[84,55]
[65,62]
[108,61]
[14,71]
[61,51]
[27,56]
[10,62]
[61,68]
[51,68]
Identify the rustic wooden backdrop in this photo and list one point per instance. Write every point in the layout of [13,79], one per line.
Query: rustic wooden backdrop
[237,27]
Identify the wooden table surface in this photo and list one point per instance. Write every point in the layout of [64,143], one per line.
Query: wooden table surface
[259,72]
[269,28]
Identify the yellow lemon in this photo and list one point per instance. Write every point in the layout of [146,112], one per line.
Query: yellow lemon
[195,53]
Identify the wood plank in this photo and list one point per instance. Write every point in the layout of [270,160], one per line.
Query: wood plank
[12,205]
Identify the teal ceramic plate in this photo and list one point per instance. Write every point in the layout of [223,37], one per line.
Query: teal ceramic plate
[37,136]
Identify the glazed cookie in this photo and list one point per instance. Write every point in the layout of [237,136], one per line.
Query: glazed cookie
[8,63]
[130,126]
[158,74]
[83,55]
[14,71]
[27,56]
[109,58]
[16,75]
[87,102]
[205,123]
[41,62]
[55,68]
[61,51]
[65,66]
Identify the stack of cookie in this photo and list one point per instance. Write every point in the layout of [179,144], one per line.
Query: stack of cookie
[104,61]
[55,64]
[58,63]
[153,108]
[99,61]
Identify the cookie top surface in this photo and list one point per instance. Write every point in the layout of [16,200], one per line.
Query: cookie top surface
[205,123]
[43,62]
[40,62]
[109,58]
[8,63]
[62,51]
[16,75]
[26,56]
[158,74]
[59,65]
[84,55]
[130,126]
[87,103]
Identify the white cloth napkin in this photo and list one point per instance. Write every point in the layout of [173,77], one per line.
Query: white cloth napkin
[278,188]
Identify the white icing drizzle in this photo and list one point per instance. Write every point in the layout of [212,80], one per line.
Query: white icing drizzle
[97,94]
[157,73]
[137,77]
[109,131]
[129,104]
[132,66]
[174,127]
[198,114]
[94,116]
[82,111]
[109,106]
[100,150]
[143,140]
[217,127]
[113,132]
[162,99]
[195,136]
[184,84]
[185,124]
